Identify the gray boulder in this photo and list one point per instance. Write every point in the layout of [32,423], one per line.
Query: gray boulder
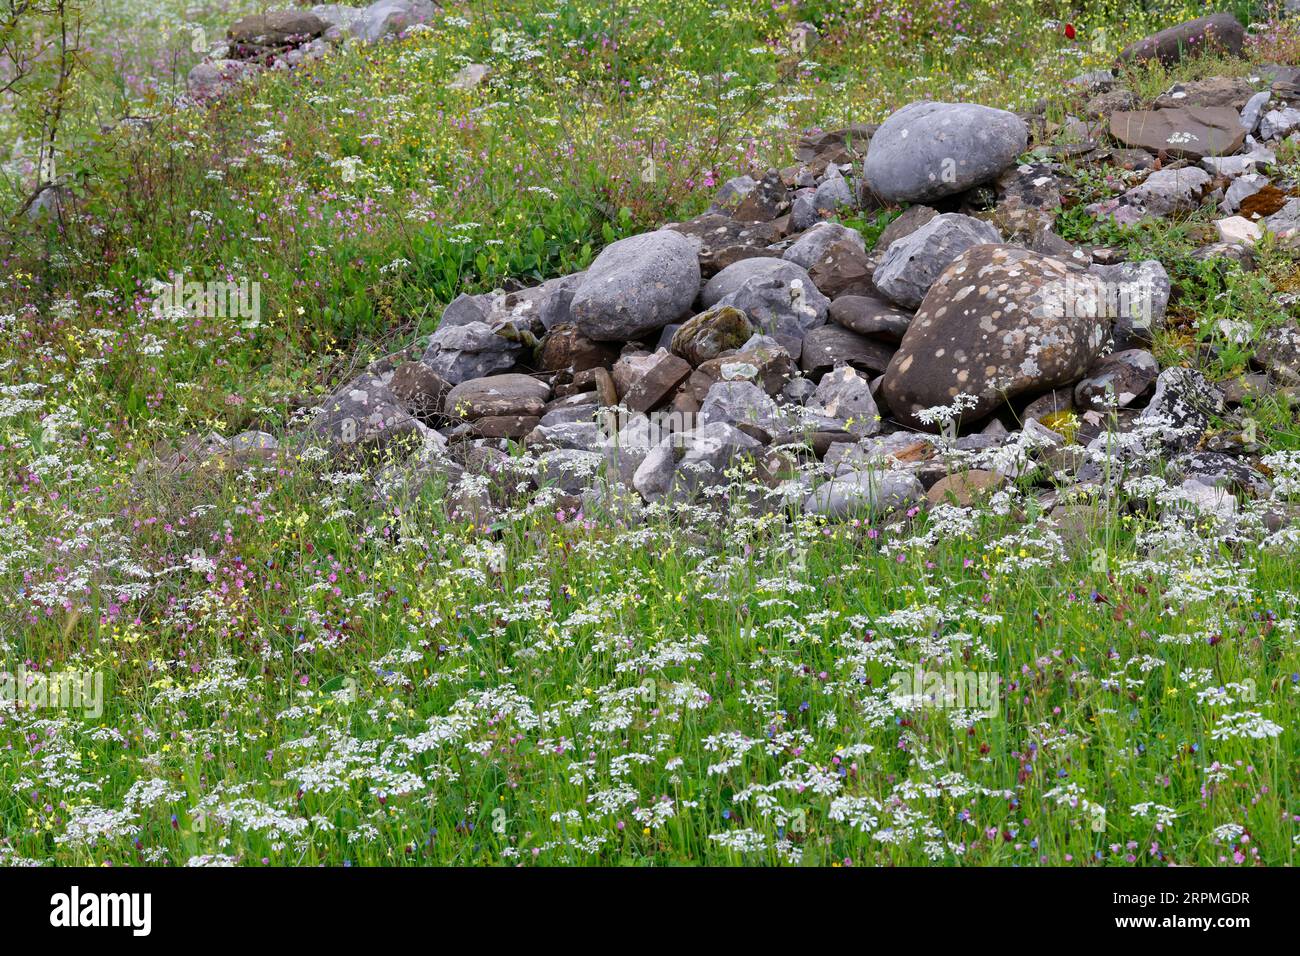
[785,308]
[692,461]
[1183,403]
[737,274]
[1121,377]
[845,396]
[812,245]
[215,78]
[462,352]
[742,404]
[1254,110]
[637,286]
[1135,296]
[569,469]
[1167,191]
[928,150]
[364,416]
[875,491]
[912,264]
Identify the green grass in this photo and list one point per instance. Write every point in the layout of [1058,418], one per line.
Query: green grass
[626,695]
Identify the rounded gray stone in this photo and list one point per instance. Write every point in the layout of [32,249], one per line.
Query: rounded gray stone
[637,285]
[928,150]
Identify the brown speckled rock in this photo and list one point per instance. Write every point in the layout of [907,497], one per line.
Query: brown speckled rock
[1000,322]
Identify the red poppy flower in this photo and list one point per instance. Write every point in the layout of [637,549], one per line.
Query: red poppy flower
[1069,31]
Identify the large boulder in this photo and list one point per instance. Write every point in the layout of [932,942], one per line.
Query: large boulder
[928,150]
[277,28]
[1220,32]
[636,286]
[1001,321]
[911,264]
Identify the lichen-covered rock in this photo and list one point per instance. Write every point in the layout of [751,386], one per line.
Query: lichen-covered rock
[1220,471]
[1000,322]
[1183,404]
[363,417]
[1167,191]
[711,333]
[1279,352]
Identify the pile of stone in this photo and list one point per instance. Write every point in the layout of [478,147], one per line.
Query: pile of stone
[282,39]
[766,338]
